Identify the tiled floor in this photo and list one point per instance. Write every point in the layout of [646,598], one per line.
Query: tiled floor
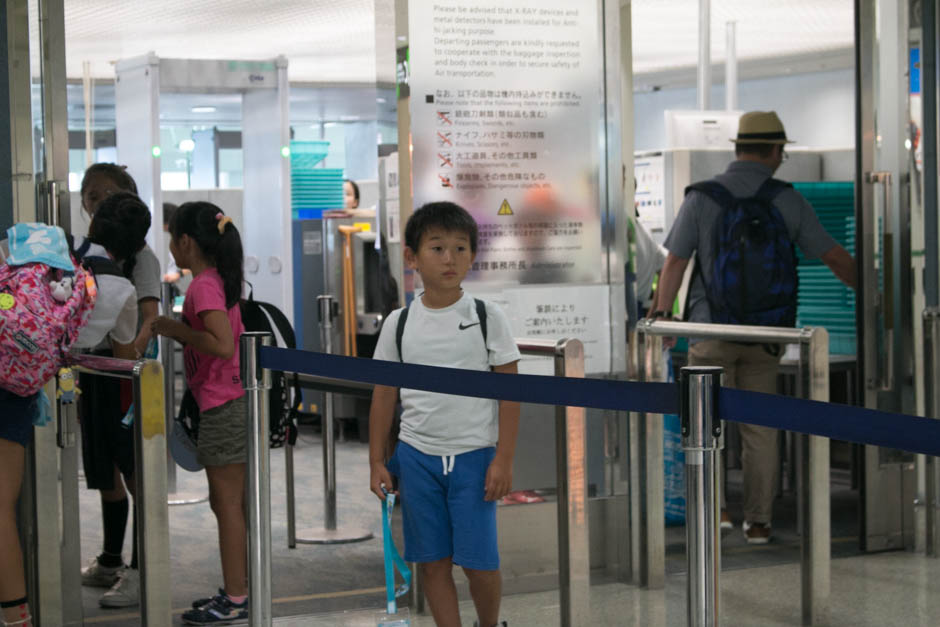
[344,584]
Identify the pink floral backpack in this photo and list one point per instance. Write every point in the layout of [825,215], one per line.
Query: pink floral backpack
[36,330]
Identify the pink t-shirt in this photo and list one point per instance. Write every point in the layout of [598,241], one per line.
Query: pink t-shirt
[213,381]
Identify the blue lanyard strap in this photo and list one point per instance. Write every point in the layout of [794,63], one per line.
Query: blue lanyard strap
[393,559]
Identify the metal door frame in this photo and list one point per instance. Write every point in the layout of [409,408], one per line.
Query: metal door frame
[883,321]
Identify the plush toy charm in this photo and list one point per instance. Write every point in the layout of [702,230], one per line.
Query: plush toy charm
[67,390]
[61,289]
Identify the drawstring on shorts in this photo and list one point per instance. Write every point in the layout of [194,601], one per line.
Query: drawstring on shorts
[448,462]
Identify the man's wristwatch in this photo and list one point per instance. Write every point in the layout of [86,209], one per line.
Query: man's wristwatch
[662,313]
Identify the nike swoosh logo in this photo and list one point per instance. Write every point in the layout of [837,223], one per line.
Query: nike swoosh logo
[463,326]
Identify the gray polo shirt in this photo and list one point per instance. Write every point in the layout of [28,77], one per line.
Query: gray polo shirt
[694,228]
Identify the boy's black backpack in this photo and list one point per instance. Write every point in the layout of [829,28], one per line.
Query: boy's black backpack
[754,278]
[285,396]
[403,317]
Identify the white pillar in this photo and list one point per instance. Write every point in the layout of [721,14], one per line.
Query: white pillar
[137,115]
[731,67]
[704,55]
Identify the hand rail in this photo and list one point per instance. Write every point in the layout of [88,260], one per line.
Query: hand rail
[150,446]
[647,515]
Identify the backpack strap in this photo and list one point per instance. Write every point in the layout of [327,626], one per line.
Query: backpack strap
[284,329]
[83,249]
[714,190]
[481,314]
[770,188]
[400,329]
[403,317]
[101,266]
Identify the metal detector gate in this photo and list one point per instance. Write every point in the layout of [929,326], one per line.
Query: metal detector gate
[265,151]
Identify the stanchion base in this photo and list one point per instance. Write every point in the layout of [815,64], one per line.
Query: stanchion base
[186,498]
[340,535]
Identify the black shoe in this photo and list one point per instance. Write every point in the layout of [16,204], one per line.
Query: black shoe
[220,610]
[200,603]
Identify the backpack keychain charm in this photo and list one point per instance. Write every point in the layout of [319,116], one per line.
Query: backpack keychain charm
[66,391]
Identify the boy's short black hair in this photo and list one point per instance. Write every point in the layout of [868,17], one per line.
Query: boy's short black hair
[443,215]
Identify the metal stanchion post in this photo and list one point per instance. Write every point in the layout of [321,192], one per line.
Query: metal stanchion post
[574,569]
[928,502]
[701,433]
[153,518]
[257,384]
[813,487]
[169,395]
[330,534]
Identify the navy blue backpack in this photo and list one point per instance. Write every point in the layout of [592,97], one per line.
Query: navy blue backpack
[754,279]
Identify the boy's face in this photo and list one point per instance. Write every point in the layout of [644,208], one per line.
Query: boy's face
[443,258]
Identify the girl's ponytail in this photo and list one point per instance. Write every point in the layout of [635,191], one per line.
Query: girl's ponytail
[219,241]
[229,261]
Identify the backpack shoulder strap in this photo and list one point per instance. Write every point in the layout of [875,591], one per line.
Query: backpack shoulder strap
[101,266]
[714,190]
[770,188]
[280,321]
[481,314]
[400,329]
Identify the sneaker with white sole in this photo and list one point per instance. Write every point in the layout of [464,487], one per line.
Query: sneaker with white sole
[125,592]
[97,576]
[756,533]
[221,610]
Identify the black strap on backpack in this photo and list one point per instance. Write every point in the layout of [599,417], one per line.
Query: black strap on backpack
[767,192]
[101,266]
[403,317]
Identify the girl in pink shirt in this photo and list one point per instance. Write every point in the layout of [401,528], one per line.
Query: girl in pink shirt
[204,241]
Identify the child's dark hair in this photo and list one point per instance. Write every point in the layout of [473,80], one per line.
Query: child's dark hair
[222,247]
[443,215]
[117,173]
[355,187]
[120,225]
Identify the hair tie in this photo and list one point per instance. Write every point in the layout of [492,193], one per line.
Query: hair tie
[223,220]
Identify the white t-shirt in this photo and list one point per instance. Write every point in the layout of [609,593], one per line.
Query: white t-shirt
[441,424]
[115,312]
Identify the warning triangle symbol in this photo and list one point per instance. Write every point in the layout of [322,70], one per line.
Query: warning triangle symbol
[504,209]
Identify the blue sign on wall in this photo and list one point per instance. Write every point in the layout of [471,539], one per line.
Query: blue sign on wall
[915,70]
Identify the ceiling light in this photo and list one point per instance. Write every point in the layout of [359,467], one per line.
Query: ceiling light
[349,118]
[203,109]
[402,38]
[380,100]
[329,124]
[187,145]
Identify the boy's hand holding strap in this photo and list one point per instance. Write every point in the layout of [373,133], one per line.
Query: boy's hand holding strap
[393,558]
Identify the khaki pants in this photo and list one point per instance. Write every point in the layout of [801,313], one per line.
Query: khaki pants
[748,368]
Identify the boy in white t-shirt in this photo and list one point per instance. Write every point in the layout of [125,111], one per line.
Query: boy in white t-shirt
[454,455]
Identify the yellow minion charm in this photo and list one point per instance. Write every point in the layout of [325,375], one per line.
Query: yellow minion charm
[67,390]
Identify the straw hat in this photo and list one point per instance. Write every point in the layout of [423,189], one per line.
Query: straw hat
[761,127]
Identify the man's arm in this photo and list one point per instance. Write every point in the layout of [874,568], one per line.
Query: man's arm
[381,414]
[670,279]
[499,474]
[842,265]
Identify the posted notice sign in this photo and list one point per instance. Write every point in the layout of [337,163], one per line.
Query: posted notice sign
[506,106]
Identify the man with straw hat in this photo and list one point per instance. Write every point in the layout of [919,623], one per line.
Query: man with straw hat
[742,225]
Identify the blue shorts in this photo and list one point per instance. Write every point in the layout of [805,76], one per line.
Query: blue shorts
[444,514]
[16,417]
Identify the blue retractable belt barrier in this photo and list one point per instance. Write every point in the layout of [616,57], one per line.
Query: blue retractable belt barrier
[393,559]
[841,422]
[656,398]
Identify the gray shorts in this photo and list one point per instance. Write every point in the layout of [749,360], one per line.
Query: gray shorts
[223,434]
